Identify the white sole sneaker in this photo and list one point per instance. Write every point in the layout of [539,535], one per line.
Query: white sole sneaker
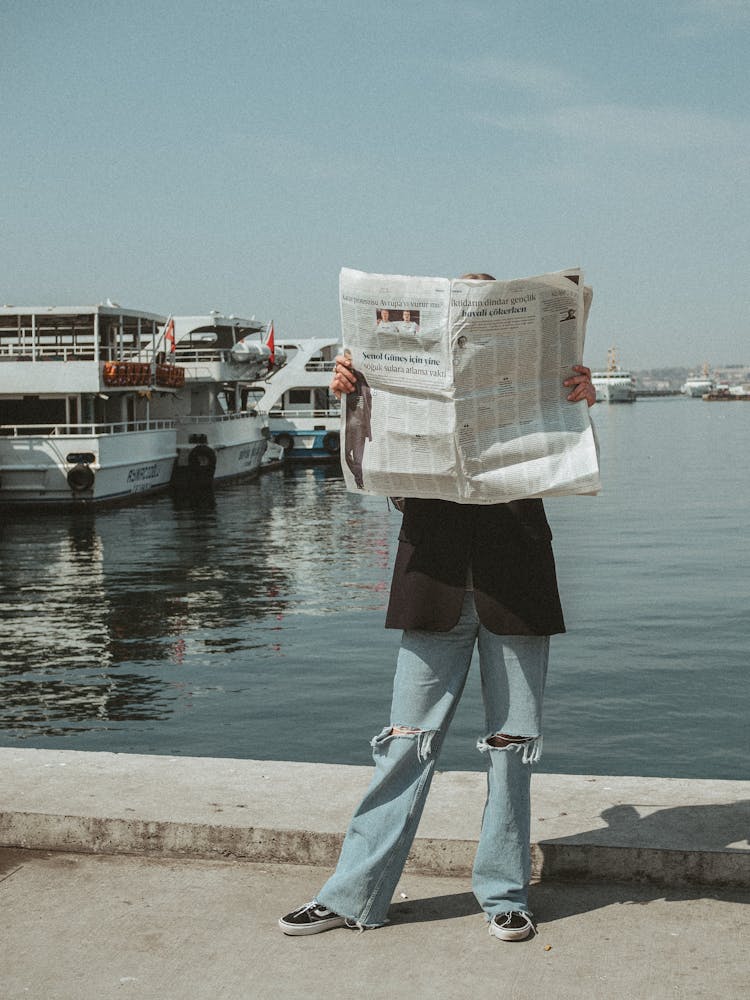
[514,926]
[310,919]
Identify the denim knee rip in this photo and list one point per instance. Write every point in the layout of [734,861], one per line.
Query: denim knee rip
[529,746]
[422,737]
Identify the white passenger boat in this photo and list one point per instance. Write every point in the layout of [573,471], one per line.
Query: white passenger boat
[75,392]
[304,416]
[697,386]
[219,436]
[614,385]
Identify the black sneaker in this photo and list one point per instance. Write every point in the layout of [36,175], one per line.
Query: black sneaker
[312,918]
[514,926]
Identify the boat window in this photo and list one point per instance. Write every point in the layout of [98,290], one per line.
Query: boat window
[298,396]
[252,396]
[33,410]
[320,399]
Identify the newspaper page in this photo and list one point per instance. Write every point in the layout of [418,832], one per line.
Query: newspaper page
[459,391]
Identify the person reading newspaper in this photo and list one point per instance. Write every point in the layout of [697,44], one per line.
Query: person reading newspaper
[465,575]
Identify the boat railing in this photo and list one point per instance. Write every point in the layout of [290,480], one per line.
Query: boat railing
[205,355]
[15,352]
[217,417]
[84,430]
[320,366]
[201,372]
[277,412]
[69,352]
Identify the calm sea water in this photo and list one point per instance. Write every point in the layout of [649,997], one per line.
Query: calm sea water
[251,624]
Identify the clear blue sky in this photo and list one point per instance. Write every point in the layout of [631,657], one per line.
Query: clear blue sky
[184,156]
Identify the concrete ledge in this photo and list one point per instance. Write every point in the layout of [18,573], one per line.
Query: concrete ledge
[668,831]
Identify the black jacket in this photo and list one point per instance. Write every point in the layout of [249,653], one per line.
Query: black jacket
[508,547]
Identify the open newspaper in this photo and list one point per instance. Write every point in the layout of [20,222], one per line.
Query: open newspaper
[459,387]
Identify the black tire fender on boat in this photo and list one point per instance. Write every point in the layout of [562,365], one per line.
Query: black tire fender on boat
[202,459]
[285,441]
[80,478]
[331,442]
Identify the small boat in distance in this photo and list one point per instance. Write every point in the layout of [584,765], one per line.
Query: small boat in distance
[727,394]
[613,385]
[219,436]
[78,425]
[697,386]
[304,416]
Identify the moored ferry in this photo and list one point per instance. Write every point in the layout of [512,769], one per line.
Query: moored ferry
[698,385]
[76,419]
[614,385]
[219,433]
[304,416]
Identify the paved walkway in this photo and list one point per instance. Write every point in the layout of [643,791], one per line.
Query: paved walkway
[163,877]
[95,927]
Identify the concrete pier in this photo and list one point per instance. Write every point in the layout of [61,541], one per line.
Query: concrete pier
[667,831]
[163,878]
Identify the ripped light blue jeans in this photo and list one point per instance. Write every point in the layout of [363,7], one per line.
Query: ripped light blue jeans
[430,678]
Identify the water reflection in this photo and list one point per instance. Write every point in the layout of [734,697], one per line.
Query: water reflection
[35,706]
[216,625]
[119,615]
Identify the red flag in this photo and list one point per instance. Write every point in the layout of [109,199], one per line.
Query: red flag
[169,336]
[271,346]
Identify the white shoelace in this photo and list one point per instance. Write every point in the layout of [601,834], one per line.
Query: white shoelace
[528,922]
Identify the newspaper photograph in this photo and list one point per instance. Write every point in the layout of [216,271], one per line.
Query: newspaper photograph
[459,392]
